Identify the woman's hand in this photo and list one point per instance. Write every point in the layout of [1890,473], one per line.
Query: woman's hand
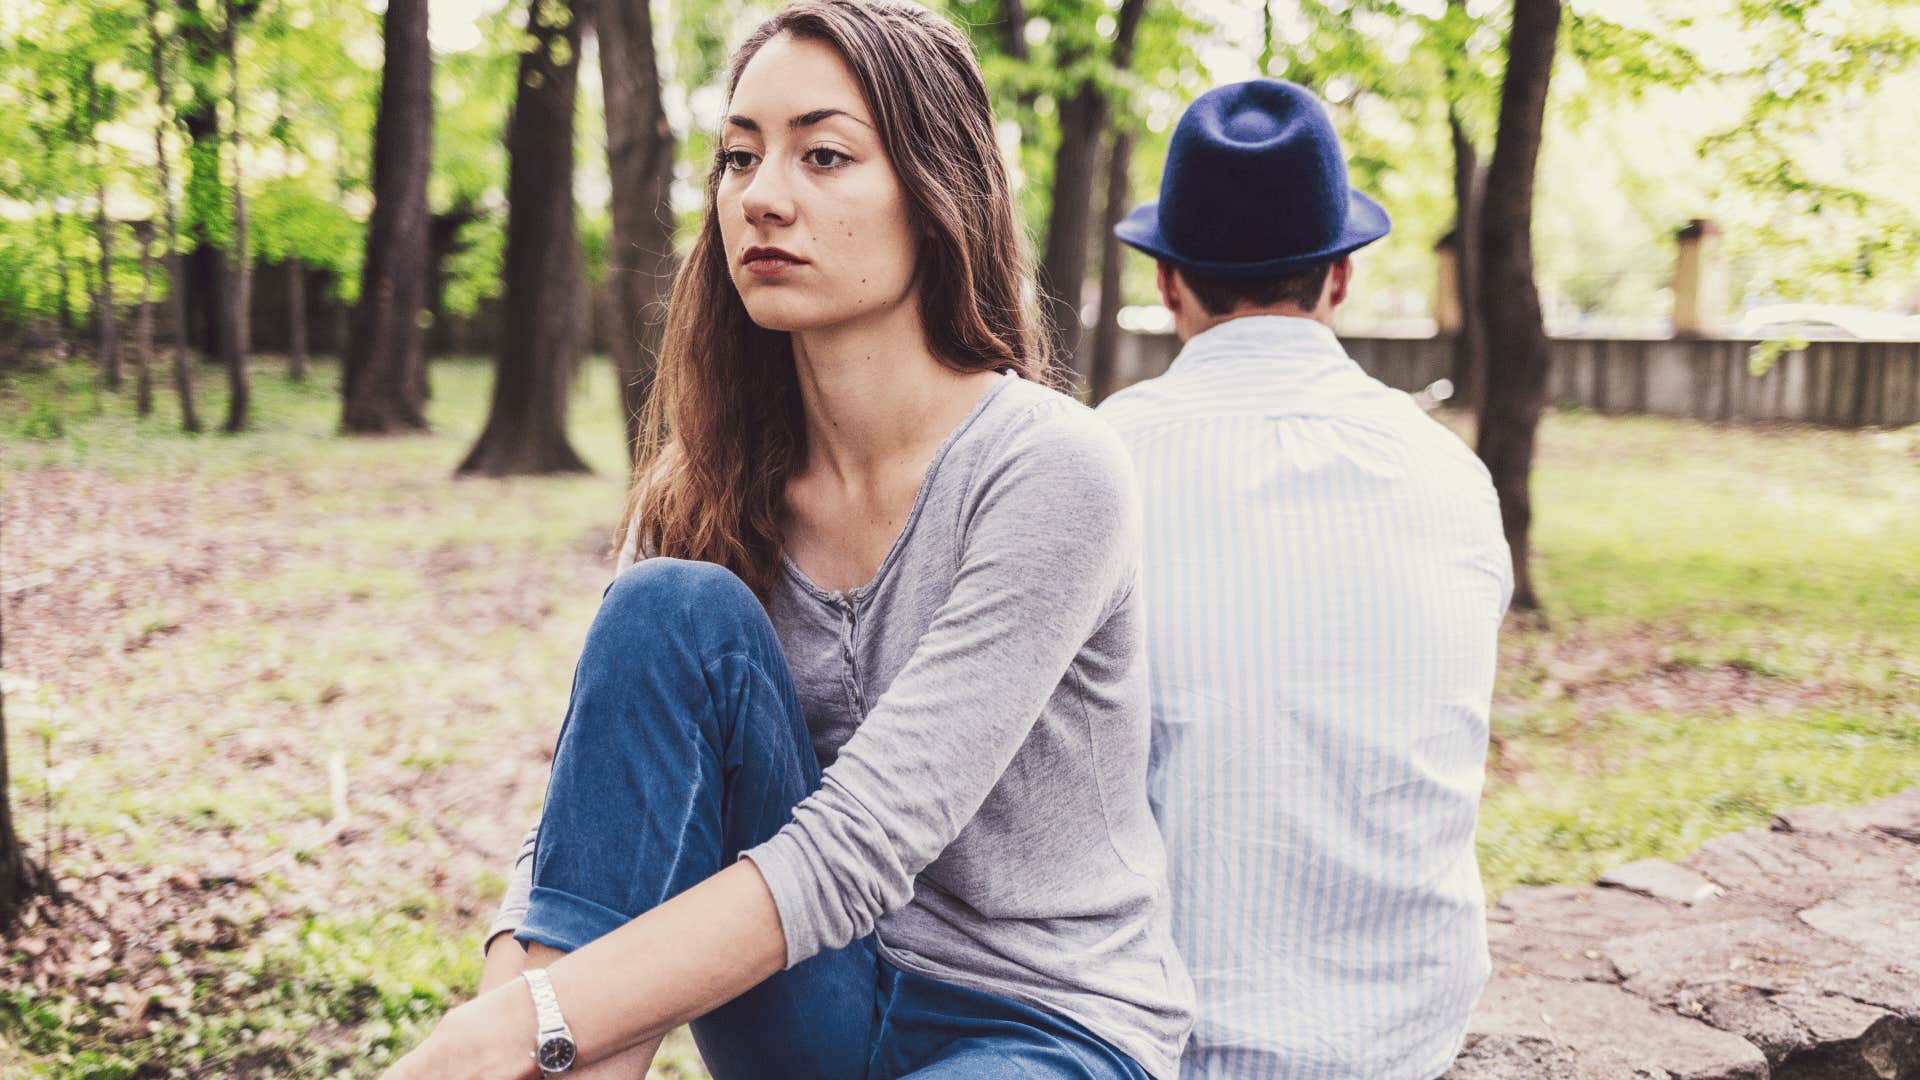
[620,992]
[488,1038]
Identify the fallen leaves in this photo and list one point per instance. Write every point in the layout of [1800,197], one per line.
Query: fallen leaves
[239,726]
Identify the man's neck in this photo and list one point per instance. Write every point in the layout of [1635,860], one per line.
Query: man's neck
[1322,315]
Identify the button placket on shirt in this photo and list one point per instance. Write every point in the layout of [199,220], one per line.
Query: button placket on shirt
[852,675]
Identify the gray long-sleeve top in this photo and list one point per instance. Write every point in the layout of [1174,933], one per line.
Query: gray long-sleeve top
[980,711]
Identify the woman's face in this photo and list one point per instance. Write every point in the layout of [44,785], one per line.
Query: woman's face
[813,219]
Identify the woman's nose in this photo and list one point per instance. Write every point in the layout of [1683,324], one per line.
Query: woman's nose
[769,196]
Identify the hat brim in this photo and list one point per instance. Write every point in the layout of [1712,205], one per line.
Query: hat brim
[1367,221]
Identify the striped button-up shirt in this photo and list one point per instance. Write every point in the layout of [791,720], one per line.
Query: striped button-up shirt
[1324,579]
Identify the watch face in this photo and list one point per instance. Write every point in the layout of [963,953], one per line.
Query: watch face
[557,1053]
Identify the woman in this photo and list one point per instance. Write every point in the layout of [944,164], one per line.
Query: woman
[885,549]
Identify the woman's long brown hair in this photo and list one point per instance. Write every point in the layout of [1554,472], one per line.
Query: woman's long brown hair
[722,430]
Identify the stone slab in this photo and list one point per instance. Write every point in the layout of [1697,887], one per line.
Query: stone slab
[1849,1041]
[1897,816]
[1774,953]
[1662,880]
[1752,1015]
[1883,922]
[1594,1019]
[1786,869]
[1814,819]
[1791,953]
[1528,1057]
[1809,1036]
[1526,949]
[1584,910]
[1890,986]
[1558,930]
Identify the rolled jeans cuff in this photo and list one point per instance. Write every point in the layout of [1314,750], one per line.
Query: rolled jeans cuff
[561,920]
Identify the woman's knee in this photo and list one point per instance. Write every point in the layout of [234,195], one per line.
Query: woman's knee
[676,597]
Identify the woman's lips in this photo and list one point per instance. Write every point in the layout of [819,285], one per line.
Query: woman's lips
[770,265]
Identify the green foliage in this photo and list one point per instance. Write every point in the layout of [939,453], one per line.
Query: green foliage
[1762,357]
[1833,225]
[1625,59]
[1780,119]
[209,204]
[473,270]
[318,69]
[29,276]
[288,219]
[473,93]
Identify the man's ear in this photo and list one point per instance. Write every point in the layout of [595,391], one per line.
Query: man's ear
[1339,281]
[1169,288]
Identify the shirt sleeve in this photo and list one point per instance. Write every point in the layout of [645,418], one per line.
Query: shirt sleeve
[513,906]
[1049,544]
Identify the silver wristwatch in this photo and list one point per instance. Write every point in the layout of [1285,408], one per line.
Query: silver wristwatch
[553,1047]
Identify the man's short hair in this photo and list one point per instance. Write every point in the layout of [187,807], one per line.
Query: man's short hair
[1220,296]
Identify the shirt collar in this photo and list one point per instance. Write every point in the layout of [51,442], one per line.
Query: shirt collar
[1263,337]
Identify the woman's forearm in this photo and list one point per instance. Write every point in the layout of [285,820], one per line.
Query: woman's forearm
[679,961]
[683,959]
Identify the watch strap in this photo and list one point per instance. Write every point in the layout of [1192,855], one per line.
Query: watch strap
[546,1010]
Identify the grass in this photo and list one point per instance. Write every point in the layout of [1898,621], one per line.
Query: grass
[1734,628]
[218,643]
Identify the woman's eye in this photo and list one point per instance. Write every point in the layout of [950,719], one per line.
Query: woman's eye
[824,158]
[735,160]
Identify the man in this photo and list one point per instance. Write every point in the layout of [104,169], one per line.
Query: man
[1325,577]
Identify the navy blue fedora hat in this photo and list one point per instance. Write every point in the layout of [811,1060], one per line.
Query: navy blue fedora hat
[1255,186]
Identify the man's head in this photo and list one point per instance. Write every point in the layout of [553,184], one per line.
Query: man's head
[1255,215]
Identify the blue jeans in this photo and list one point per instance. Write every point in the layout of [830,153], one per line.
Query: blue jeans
[683,746]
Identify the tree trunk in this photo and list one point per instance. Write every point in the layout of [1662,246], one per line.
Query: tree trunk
[205,215]
[1013,38]
[64,309]
[1013,29]
[103,314]
[1063,264]
[20,879]
[1470,346]
[296,320]
[540,333]
[176,272]
[242,256]
[233,343]
[443,243]
[382,387]
[342,329]
[1106,333]
[1509,300]
[143,327]
[202,288]
[640,152]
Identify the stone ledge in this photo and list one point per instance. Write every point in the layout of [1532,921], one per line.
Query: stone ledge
[1788,953]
